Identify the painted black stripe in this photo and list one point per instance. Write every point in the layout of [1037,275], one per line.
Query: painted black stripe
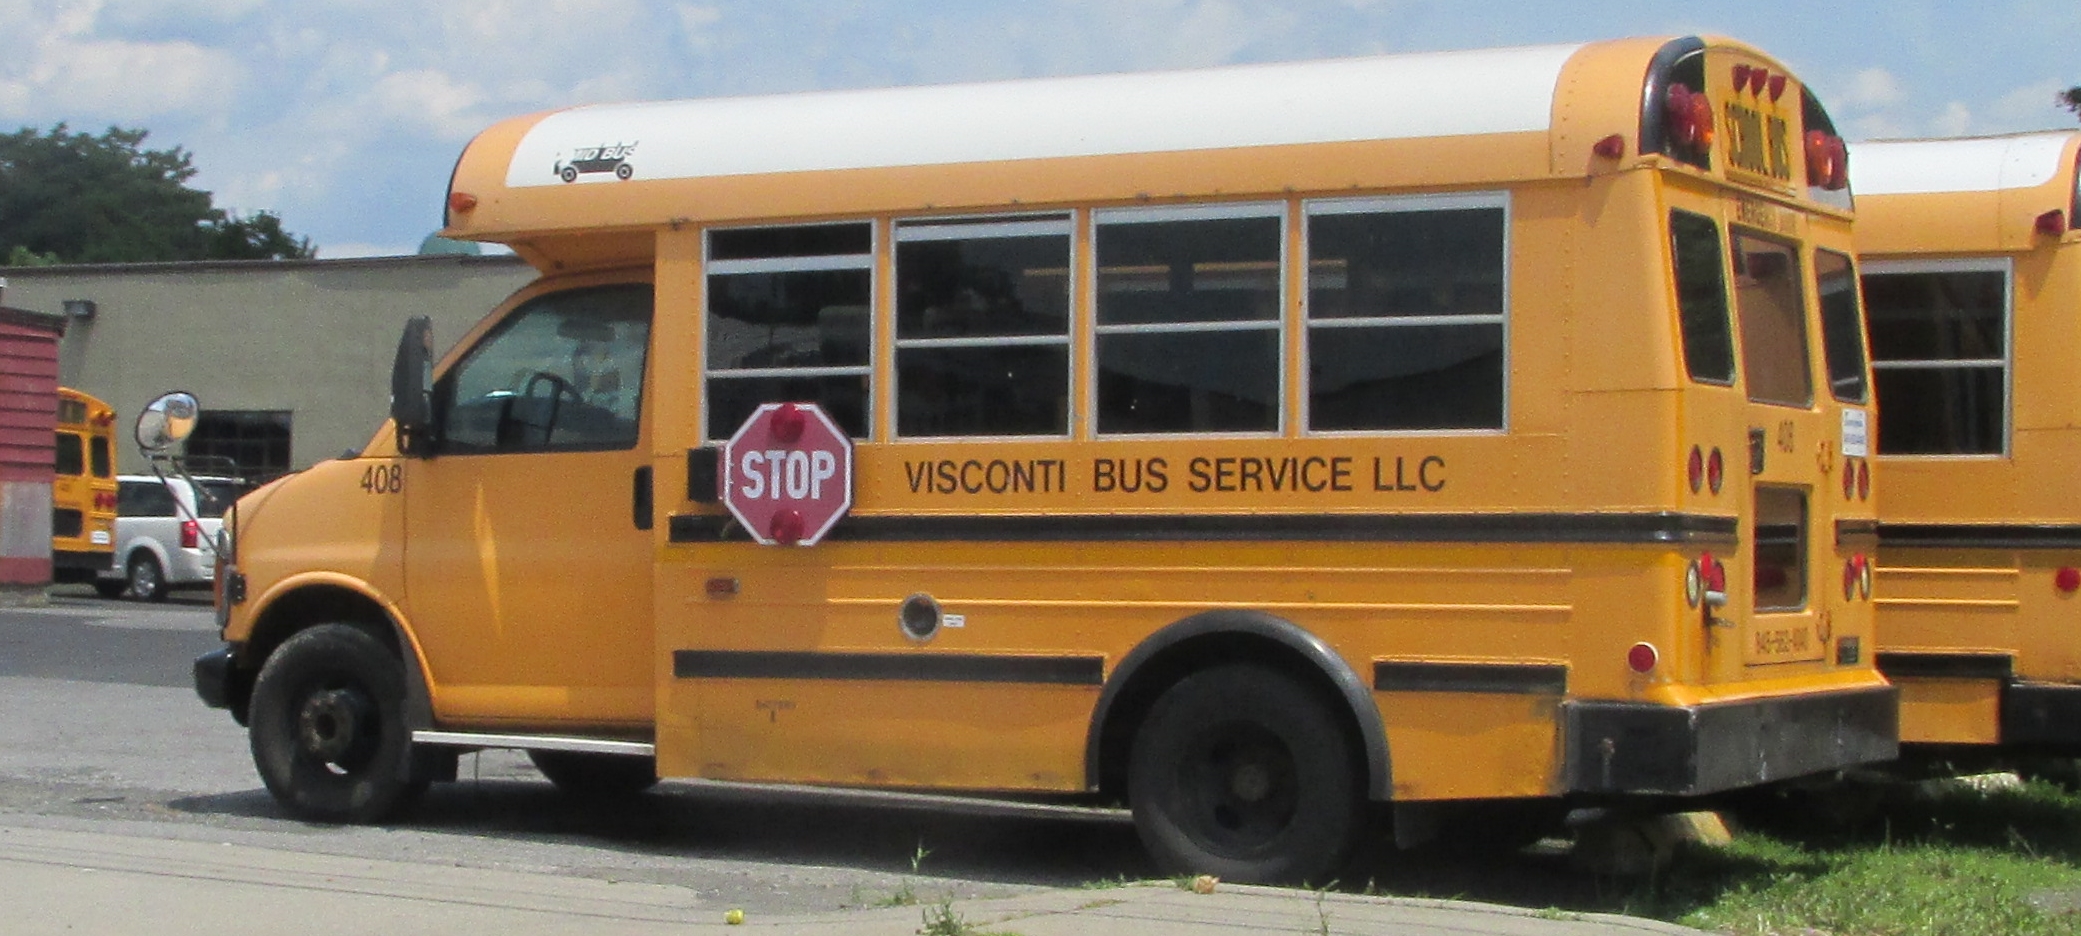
[1982,535]
[1855,529]
[1911,665]
[1510,678]
[903,667]
[1603,528]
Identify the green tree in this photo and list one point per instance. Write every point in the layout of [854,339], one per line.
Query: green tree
[2071,99]
[80,198]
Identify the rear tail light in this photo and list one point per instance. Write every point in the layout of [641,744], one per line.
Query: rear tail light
[1705,582]
[2067,580]
[191,535]
[1690,119]
[1642,657]
[1857,575]
[1694,470]
[1715,470]
[1863,479]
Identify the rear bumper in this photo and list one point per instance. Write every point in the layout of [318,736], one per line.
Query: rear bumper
[2042,715]
[73,567]
[1636,748]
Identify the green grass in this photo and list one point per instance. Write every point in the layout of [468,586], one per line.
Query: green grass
[1964,861]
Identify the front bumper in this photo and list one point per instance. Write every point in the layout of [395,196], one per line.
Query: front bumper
[1635,748]
[221,684]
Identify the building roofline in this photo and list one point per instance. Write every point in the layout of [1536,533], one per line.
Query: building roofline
[187,266]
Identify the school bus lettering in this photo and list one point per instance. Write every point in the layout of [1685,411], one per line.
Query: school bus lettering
[1130,475]
[1314,474]
[1424,479]
[993,476]
[383,479]
[1758,143]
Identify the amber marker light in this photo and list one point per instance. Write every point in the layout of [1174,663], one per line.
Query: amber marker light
[462,202]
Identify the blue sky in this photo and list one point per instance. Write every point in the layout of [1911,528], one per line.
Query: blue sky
[345,116]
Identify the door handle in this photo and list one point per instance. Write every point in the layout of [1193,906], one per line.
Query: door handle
[642,498]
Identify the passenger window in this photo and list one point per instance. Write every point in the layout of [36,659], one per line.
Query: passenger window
[1780,533]
[1940,354]
[1769,299]
[982,327]
[789,321]
[144,499]
[563,372]
[1701,297]
[1842,325]
[1405,314]
[1188,319]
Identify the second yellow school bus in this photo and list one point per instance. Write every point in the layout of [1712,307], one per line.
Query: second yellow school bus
[1244,444]
[1973,275]
[83,491]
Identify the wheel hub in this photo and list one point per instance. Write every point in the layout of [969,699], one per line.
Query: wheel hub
[1250,782]
[333,722]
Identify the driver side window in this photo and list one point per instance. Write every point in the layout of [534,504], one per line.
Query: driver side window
[564,372]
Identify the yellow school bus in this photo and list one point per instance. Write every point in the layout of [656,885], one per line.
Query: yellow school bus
[83,489]
[1247,445]
[1972,276]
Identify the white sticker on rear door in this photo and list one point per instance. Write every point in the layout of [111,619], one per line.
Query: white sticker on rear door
[1856,437]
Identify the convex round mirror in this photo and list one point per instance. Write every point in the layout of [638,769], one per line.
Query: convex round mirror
[167,421]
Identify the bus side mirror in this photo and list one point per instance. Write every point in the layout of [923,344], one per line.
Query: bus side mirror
[166,422]
[411,387]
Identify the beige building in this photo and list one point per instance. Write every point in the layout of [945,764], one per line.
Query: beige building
[291,359]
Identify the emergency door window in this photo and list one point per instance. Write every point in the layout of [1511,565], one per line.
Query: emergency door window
[1769,301]
[563,372]
[71,454]
[1701,297]
[1780,534]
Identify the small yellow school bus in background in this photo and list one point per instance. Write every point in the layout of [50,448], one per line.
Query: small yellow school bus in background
[1248,445]
[83,491]
[1972,276]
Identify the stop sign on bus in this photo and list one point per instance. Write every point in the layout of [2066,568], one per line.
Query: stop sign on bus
[788,474]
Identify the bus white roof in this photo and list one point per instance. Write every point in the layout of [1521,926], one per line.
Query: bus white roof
[1384,97]
[1967,164]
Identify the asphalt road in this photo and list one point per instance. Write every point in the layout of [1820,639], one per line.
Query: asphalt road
[100,729]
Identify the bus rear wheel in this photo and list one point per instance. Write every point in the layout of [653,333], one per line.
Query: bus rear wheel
[596,776]
[328,729]
[1243,773]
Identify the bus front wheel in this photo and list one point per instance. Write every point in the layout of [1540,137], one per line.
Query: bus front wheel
[328,729]
[1241,772]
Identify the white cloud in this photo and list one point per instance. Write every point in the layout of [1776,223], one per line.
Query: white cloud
[428,99]
[1955,120]
[2031,107]
[1873,88]
[121,81]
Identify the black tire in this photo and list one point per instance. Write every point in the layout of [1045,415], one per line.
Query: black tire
[143,579]
[1243,773]
[328,729]
[110,588]
[596,776]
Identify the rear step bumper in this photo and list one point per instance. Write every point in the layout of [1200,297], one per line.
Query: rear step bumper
[1635,748]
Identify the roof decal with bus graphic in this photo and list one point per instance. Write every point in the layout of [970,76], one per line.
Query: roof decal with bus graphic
[1382,97]
[1974,164]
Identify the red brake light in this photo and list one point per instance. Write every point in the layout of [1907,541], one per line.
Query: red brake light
[1849,478]
[1690,118]
[2052,223]
[1863,480]
[1715,470]
[1642,657]
[1694,470]
[191,534]
[2067,580]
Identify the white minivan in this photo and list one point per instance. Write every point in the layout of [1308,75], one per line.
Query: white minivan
[163,534]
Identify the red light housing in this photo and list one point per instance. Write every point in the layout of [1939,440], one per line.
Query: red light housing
[787,527]
[2052,223]
[1715,470]
[1827,161]
[2067,580]
[788,423]
[1777,87]
[1758,77]
[1694,470]
[1863,479]
[1690,118]
[1642,657]
[191,534]
[1849,479]
[1850,578]
[461,202]
[1611,147]
[1714,572]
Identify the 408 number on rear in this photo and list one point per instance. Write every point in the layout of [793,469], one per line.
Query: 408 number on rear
[383,479]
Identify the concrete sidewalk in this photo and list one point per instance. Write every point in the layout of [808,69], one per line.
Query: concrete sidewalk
[76,881]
